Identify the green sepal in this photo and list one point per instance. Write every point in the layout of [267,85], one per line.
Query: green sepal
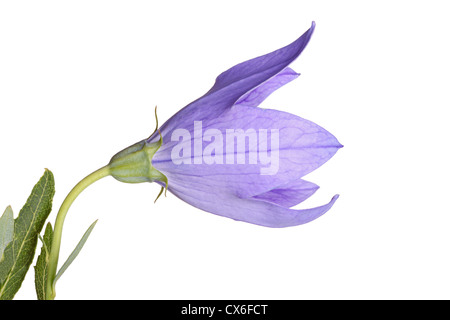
[134,164]
[19,253]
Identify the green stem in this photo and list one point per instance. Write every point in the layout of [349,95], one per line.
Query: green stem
[56,243]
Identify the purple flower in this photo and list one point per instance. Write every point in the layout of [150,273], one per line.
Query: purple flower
[224,155]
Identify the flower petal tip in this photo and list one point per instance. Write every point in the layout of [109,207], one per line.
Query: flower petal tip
[312,28]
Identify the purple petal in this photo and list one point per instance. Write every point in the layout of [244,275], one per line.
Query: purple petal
[254,97]
[199,193]
[303,147]
[234,181]
[289,194]
[257,70]
[234,83]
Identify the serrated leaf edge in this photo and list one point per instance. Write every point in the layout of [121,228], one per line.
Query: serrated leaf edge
[3,285]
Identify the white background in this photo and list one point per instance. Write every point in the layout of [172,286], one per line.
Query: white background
[79,81]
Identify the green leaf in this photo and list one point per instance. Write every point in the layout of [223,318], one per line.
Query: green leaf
[6,230]
[41,268]
[75,252]
[19,253]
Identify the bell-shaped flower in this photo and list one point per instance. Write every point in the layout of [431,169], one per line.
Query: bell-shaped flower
[225,155]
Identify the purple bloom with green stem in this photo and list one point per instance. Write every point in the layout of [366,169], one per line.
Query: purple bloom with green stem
[199,162]
[225,155]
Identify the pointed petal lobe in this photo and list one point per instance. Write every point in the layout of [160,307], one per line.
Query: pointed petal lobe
[234,83]
[260,69]
[199,194]
[289,194]
[254,97]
